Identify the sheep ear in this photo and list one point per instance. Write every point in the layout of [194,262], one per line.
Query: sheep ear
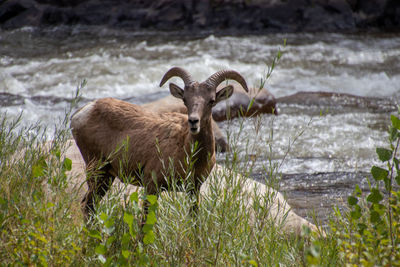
[176,90]
[224,93]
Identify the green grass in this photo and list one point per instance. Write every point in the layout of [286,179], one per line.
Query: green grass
[41,222]
[38,217]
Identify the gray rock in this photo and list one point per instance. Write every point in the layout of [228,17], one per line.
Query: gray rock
[232,16]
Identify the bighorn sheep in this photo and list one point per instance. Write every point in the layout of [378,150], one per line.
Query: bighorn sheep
[152,139]
[172,104]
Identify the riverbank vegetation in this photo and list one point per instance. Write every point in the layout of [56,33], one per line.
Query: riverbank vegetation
[41,221]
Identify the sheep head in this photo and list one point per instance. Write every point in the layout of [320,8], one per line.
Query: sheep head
[199,98]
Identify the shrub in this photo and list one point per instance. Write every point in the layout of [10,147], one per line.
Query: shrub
[369,233]
[37,221]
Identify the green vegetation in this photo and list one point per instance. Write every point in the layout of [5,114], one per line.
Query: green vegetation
[41,223]
[369,233]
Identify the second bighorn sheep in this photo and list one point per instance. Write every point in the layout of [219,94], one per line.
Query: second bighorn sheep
[152,140]
[171,104]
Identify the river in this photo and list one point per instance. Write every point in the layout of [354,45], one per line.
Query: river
[321,150]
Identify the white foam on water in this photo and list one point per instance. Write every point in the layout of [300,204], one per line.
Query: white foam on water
[127,67]
[308,144]
[131,69]
[9,84]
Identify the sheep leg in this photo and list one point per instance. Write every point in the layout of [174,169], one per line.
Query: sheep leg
[146,205]
[145,212]
[98,186]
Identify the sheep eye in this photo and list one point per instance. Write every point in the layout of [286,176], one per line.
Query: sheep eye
[212,102]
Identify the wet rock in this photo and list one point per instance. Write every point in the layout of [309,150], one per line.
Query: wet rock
[216,16]
[390,17]
[19,13]
[339,101]
[7,100]
[329,15]
[11,9]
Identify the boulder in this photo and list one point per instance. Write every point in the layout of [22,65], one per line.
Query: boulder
[340,101]
[250,195]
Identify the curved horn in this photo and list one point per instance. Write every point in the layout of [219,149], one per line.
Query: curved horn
[220,76]
[179,72]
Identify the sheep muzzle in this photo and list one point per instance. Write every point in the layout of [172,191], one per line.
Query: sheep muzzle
[194,125]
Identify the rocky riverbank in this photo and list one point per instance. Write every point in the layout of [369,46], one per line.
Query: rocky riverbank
[233,16]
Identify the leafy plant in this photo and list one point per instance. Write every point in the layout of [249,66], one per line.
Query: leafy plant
[369,234]
[36,222]
[123,242]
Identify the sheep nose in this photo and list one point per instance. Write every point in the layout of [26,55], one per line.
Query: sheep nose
[193,120]
[194,125]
